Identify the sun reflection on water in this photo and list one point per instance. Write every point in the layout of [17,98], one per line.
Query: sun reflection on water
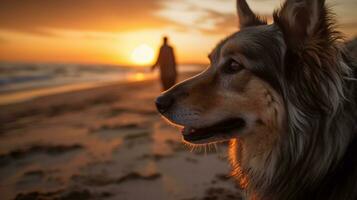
[140,76]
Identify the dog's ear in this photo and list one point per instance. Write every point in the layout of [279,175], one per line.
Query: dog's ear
[246,15]
[301,20]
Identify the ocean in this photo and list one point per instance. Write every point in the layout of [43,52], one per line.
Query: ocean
[23,81]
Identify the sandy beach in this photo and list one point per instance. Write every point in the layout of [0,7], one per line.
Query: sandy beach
[106,142]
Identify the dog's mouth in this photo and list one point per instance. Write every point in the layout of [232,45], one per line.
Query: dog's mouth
[221,129]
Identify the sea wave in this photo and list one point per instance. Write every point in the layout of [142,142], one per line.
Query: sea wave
[15,77]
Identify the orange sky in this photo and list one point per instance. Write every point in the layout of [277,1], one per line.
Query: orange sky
[98,31]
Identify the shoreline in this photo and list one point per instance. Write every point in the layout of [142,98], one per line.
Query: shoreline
[49,104]
[47,101]
[16,96]
[22,96]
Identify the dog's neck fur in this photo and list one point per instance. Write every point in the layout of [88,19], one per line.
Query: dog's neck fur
[310,169]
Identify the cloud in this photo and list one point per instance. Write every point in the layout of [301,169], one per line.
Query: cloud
[210,16]
[219,16]
[93,15]
[196,15]
[114,16]
[39,16]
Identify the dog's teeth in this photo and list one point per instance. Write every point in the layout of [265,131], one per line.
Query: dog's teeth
[186,131]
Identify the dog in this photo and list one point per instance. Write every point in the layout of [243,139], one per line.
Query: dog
[284,95]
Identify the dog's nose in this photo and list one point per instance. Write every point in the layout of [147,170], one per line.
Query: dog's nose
[163,103]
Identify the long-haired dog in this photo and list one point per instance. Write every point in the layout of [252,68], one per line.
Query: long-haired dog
[285,96]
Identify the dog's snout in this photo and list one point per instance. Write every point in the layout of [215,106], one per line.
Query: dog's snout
[163,103]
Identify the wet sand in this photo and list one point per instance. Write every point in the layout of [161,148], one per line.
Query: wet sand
[104,143]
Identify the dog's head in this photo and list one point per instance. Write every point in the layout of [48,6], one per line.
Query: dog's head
[257,76]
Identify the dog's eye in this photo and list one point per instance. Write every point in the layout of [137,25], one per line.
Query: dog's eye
[232,67]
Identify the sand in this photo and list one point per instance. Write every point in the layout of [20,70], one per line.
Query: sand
[106,142]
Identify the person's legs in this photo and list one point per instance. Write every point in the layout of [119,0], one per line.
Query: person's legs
[167,82]
[172,81]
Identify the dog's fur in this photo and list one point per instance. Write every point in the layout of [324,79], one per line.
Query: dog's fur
[290,87]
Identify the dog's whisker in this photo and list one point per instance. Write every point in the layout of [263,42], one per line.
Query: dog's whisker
[216,147]
[350,78]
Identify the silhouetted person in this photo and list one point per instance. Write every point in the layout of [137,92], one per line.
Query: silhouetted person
[167,63]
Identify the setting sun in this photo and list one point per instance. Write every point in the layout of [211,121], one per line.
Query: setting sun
[142,55]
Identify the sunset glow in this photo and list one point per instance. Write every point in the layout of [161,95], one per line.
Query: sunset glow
[143,55]
[114,32]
